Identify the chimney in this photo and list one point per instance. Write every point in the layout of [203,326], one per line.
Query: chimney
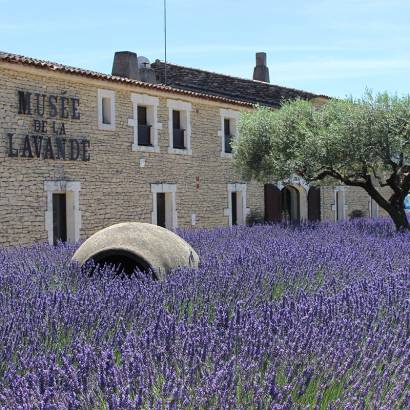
[261,71]
[125,65]
[146,72]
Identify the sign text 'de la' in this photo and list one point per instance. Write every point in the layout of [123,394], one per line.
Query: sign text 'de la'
[49,113]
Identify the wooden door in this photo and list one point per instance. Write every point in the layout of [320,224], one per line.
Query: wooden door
[273,204]
[314,204]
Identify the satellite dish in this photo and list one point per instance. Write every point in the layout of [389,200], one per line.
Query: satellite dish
[143,62]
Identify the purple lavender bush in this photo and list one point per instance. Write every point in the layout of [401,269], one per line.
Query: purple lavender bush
[277,317]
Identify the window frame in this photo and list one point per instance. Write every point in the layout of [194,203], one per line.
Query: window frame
[143,125]
[166,189]
[233,117]
[103,94]
[244,210]
[72,191]
[151,103]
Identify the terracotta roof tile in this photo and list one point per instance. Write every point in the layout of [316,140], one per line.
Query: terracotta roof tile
[48,65]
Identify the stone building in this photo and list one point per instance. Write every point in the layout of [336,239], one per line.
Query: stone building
[81,150]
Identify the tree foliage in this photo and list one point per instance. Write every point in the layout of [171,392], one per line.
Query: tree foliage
[363,142]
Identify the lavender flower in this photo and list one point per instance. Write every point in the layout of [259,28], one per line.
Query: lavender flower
[276,317]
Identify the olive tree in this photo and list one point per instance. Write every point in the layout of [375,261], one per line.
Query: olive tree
[363,143]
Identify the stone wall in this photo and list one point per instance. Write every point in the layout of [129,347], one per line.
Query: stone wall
[114,188]
[355,198]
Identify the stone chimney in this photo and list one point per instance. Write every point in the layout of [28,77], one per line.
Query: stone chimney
[261,71]
[125,65]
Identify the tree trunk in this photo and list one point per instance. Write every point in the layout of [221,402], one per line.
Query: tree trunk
[394,206]
[399,218]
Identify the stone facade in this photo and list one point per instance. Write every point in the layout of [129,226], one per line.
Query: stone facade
[113,179]
[113,186]
[354,199]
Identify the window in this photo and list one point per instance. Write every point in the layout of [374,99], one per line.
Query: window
[164,205]
[142,115]
[106,110]
[227,136]
[145,123]
[179,127]
[63,216]
[228,131]
[144,130]
[178,133]
[237,210]
[176,119]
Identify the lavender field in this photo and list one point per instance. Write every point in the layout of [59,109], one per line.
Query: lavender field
[275,318]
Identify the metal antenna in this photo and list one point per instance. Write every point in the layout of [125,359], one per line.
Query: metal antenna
[165,38]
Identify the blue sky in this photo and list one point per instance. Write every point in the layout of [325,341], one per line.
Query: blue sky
[333,47]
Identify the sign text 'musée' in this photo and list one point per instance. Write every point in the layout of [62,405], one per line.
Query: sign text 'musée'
[54,147]
[52,106]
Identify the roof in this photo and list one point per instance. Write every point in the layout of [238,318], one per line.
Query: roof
[250,91]
[185,81]
[56,67]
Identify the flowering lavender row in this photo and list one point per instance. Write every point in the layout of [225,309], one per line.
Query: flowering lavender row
[275,318]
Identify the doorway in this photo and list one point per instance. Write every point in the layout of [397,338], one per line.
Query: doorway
[234,202]
[290,203]
[59,218]
[63,215]
[164,213]
[340,205]
[161,209]
[237,208]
